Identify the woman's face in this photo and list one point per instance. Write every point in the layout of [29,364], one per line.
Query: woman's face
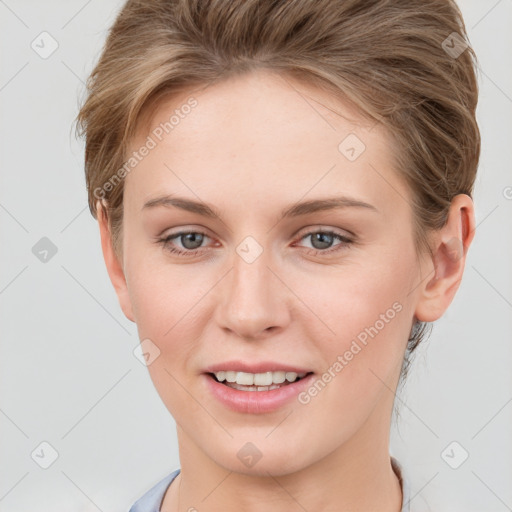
[329,292]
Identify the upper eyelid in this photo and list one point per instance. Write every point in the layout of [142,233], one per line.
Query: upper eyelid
[305,231]
[319,228]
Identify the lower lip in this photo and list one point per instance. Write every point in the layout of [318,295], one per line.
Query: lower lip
[256,402]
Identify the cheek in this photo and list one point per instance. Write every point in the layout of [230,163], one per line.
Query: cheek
[363,313]
[362,360]
[164,298]
[167,308]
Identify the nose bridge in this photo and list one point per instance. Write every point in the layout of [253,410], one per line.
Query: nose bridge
[253,301]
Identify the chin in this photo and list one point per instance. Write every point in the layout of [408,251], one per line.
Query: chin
[261,458]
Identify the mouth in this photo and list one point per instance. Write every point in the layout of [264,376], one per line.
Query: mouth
[258,382]
[256,387]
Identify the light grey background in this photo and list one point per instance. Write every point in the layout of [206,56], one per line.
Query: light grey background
[68,375]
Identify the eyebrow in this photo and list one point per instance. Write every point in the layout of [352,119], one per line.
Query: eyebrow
[295,210]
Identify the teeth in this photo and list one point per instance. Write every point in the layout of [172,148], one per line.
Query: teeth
[230,376]
[245,379]
[263,379]
[278,377]
[254,388]
[258,380]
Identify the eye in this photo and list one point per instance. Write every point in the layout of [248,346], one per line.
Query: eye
[191,242]
[322,241]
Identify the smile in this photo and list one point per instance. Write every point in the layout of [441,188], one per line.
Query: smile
[266,381]
[271,390]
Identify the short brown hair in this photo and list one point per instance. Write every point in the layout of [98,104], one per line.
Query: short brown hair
[403,63]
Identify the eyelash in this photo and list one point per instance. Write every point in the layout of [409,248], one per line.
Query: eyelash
[345,243]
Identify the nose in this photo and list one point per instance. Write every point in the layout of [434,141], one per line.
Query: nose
[254,302]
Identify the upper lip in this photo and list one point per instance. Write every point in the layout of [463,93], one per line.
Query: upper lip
[261,367]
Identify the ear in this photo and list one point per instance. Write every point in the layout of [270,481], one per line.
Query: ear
[450,246]
[114,267]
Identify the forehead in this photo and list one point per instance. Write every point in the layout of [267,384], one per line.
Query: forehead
[265,134]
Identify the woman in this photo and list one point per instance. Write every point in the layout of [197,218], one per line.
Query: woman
[283,191]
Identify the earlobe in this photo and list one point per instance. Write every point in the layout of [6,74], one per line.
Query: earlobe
[114,267]
[449,250]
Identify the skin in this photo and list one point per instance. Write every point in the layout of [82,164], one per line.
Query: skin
[254,145]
